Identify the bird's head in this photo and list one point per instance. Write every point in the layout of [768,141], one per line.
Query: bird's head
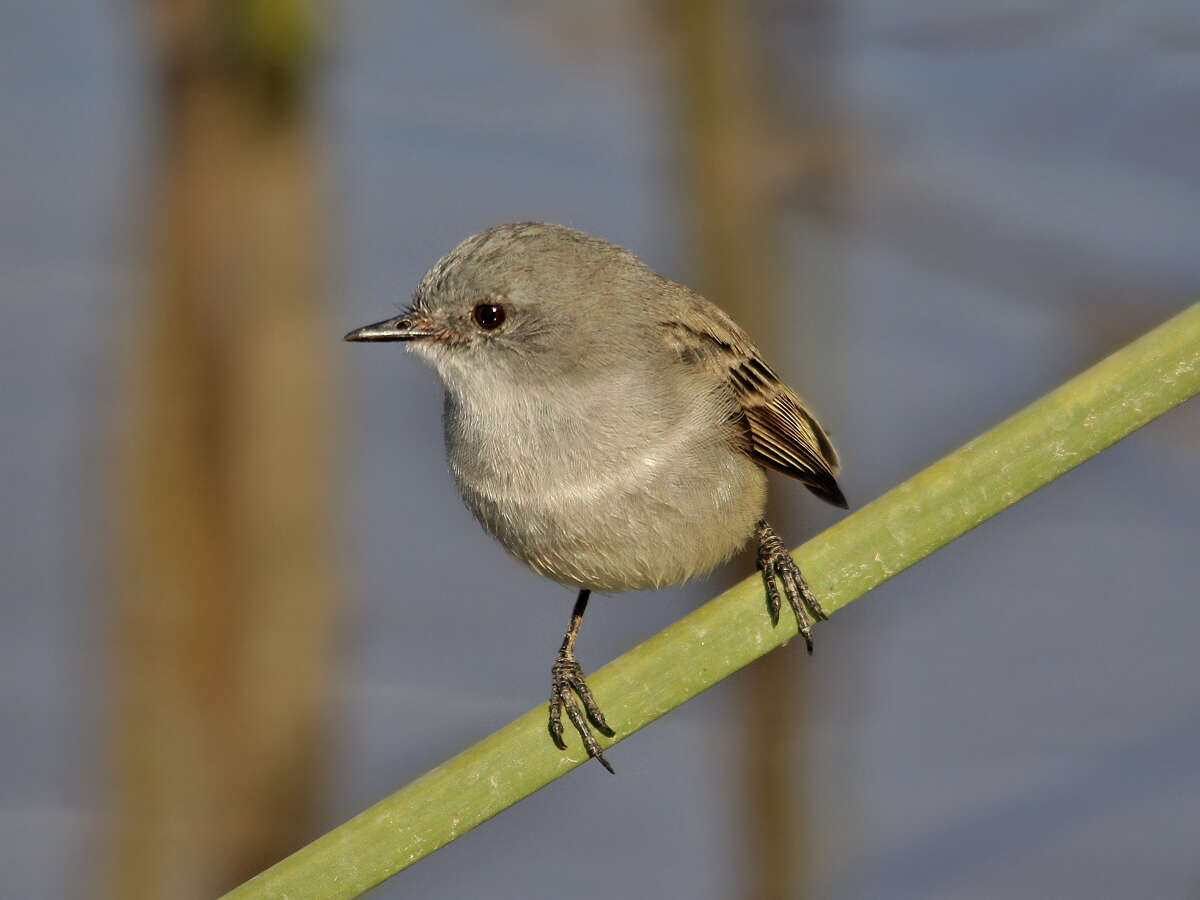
[523,301]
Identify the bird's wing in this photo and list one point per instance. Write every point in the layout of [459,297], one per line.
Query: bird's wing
[777,430]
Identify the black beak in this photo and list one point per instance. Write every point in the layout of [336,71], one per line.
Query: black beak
[400,328]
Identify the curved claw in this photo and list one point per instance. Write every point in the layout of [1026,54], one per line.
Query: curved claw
[569,684]
[555,725]
[775,562]
[795,588]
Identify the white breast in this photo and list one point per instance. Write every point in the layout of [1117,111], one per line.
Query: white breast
[587,496]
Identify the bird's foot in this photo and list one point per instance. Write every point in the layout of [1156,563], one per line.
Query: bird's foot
[568,683]
[774,561]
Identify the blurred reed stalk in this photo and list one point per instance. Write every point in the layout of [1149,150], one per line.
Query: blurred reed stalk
[738,166]
[223,582]
[1051,436]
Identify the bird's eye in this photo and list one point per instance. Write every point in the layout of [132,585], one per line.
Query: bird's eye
[488,316]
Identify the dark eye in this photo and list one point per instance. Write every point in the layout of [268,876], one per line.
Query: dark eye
[488,315]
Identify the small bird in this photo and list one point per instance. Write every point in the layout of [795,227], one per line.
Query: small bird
[609,426]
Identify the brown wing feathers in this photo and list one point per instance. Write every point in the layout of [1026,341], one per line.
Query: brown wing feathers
[780,432]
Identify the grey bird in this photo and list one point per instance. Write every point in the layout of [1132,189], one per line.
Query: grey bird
[609,426]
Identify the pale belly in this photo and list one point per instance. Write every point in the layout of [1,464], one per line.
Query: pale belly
[643,525]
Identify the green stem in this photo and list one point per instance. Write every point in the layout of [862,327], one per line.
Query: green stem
[1058,432]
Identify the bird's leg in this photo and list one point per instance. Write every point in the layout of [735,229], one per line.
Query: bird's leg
[775,561]
[567,683]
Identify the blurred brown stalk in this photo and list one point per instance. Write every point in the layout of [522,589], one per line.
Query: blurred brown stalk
[223,581]
[739,165]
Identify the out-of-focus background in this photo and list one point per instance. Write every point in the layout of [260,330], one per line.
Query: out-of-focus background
[242,600]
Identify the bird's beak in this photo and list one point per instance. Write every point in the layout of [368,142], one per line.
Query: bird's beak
[401,328]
